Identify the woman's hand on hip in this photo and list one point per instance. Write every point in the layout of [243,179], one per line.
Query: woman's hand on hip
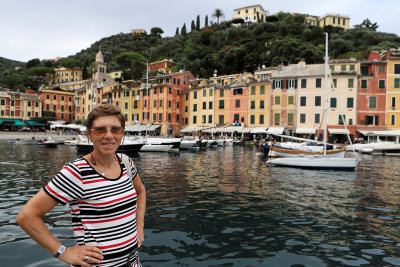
[82,255]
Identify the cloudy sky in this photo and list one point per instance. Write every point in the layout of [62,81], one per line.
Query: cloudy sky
[50,28]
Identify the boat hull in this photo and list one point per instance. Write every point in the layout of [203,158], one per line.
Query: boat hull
[323,163]
[125,148]
[156,148]
[295,153]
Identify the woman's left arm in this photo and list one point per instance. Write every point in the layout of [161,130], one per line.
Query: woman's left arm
[141,208]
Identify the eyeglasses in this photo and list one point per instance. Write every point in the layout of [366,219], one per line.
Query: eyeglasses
[103,130]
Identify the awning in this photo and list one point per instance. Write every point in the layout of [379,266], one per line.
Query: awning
[34,123]
[245,130]
[338,131]
[153,127]
[12,122]
[305,130]
[380,132]
[275,130]
[142,127]
[193,129]
[258,130]
[232,129]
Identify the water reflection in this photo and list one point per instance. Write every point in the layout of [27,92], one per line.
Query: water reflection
[225,206]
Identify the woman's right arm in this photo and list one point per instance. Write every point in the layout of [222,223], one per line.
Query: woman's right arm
[30,220]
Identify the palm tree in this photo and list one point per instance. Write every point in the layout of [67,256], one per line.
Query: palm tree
[218,14]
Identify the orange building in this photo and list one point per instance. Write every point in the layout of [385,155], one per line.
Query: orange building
[60,102]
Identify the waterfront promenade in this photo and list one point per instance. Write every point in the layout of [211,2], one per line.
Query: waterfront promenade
[4,135]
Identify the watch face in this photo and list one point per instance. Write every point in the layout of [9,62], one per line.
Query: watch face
[61,249]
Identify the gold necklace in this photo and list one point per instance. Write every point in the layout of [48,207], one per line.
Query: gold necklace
[93,160]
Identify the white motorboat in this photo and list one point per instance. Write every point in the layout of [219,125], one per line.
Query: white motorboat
[156,148]
[188,144]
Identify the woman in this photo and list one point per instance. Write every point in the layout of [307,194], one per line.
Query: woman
[107,208]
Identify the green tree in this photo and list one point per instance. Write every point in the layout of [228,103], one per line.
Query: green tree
[33,63]
[183,30]
[193,26]
[71,63]
[156,31]
[132,62]
[177,31]
[198,23]
[218,14]
[206,22]
[367,24]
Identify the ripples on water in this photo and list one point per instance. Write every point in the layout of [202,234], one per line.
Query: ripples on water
[226,207]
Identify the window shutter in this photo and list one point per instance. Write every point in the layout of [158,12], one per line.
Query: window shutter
[295,83]
[273,84]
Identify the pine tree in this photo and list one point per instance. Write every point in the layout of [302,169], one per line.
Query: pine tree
[206,22]
[177,31]
[198,23]
[183,30]
[193,26]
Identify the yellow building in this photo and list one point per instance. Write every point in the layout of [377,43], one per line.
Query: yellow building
[131,106]
[115,74]
[64,75]
[251,14]
[200,104]
[334,20]
[136,32]
[393,91]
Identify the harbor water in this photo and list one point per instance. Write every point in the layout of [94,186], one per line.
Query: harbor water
[225,207]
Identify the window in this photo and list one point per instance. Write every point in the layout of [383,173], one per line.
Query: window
[169,117]
[276,84]
[203,118]
[350,83]
[177,106]
[262,90]
[221,119]
[194,119]
[382,84]
[261,103]
[235,118]
[126,105]
[364,84]
[237,103]
[334,83]
[318,83]
[204,105]
[393,101]
[221,93]
[160,104]
[290,117]
[170,89]
[253,104]
[194,107]
[186,108]
[194,95]
[135,104]
[55,97]
[209,118]
[352,67]
[392,119]
[332,68]
[169,103]
[292,84]
[381,68]
[210,105]
[12,103]
[154,116]
[253,90]
[303,101]
[211,92]
[204,92]
[155,103]
[252,119]
[277,100]
[396,82]
[372,102]
[160,90]
[155,90]
[343,67]
[160,116]
[317,101]
[291,100]
[372,120]
[396,68]
[277,119]
[221,104]
[333,102]
[317,118]
[342,118]
[261,119]
[54,107]
[302,118]
[350,102]
[303,83]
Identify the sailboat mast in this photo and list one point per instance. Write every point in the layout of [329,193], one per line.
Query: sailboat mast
[326,94]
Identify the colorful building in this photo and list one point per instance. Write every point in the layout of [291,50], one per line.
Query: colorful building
[371,97]
[59,102]
[163,66]
[393,90]
[251,14]
[64,75]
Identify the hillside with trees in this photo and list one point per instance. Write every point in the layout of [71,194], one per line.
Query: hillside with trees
[232,46]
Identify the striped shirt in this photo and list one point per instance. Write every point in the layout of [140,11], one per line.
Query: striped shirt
[103,210]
